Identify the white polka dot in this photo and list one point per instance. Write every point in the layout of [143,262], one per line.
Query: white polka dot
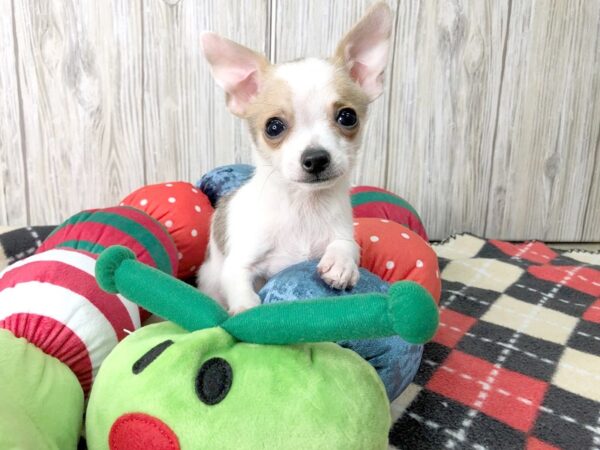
[169,185]
[405,235]
[194,232]
[179,256]
[419,263]
[169,223]
[121,204]
[197,208]
[437,273]
[172,199]
[385,221]
[355,223]
[390,265]
[143,202]
[195,191]
[374,238]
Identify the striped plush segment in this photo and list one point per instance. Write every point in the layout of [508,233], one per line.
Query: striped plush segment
[94,230]
[52,299]
[370,201]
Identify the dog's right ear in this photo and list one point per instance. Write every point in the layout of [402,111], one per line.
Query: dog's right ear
[236,69]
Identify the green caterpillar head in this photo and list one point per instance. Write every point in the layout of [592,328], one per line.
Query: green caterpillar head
[215,382]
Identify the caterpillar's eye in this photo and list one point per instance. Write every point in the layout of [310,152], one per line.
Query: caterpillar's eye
[346,118]
[213,381]
[274,127]
[148,357]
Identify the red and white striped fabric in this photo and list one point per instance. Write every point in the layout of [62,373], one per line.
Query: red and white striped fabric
[52,300]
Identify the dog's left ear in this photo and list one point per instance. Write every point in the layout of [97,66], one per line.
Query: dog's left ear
[364,50]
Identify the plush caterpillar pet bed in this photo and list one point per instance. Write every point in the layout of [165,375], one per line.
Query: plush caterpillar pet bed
[57,326]
[239,382]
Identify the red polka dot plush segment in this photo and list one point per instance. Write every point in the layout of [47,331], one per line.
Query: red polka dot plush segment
[370,201]
[394,253]
[185,212]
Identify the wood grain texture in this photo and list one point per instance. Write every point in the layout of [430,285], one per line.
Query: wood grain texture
[489,123]
[549,123]
[80,77]
[447,75]
[13,193]
[302,28]
[591,223]
[188,129]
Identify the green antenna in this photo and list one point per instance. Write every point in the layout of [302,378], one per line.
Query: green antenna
[118,272]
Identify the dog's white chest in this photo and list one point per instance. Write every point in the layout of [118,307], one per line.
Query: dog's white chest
[295,241]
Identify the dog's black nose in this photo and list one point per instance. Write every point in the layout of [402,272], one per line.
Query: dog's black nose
[315,160]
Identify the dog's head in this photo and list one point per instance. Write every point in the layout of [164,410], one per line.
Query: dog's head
[306,117]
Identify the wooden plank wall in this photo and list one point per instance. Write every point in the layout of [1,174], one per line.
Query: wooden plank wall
[490,122]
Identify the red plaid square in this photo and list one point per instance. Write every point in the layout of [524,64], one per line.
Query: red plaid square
[535,252]
[505,395]
[453,327]
[583,279]
[536,444]
[592,314]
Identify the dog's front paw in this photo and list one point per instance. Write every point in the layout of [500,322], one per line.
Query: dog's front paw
[338,271]
[240,305]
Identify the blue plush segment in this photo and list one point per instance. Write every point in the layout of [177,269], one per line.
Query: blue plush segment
[223,180]
[396,361]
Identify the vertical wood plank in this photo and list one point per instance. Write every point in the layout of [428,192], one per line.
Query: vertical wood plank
[80,76]
[447,76]
[591,225]
[304,28]
[188,129]
[13,195]
[549,122]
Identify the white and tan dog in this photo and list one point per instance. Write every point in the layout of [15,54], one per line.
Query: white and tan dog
[306,119]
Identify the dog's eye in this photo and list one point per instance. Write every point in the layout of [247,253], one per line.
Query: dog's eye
[274,127]
[346,117]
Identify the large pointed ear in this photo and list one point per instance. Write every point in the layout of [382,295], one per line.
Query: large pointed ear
[236,69]
[364,50]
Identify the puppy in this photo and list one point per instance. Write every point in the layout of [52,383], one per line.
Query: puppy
[306,118]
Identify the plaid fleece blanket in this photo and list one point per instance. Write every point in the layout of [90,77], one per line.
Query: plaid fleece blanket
[516,361]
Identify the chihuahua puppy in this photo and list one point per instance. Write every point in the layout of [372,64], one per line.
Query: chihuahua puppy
[306,119]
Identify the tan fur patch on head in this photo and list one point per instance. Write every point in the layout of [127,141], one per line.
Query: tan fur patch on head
[273,100]
[350,96]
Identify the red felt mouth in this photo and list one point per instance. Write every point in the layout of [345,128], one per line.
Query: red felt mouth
[138,431]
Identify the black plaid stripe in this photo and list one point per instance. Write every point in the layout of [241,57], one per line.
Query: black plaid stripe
[434,354]
[568,420]
[470,301]
[530,356]
[566,300]
[23,242]
[586,338]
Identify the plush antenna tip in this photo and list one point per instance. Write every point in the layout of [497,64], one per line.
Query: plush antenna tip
[108,263]
[413,312]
